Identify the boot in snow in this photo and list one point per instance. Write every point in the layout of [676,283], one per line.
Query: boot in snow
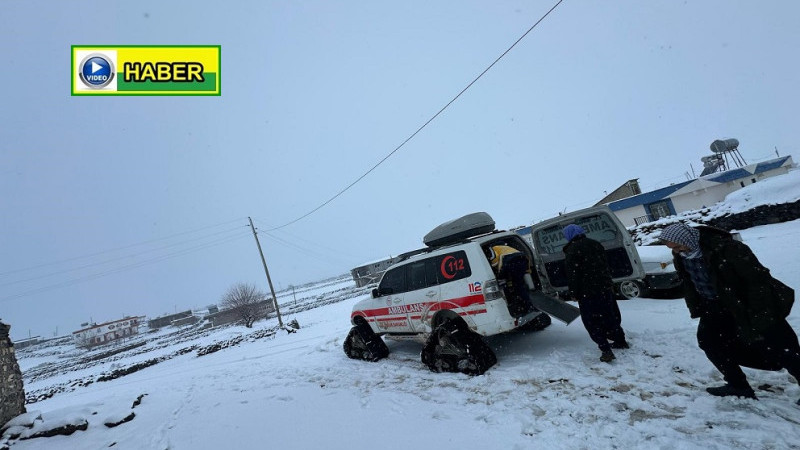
[729,390]
[607,356]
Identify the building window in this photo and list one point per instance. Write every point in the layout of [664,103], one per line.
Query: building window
[741,183]
[659,210]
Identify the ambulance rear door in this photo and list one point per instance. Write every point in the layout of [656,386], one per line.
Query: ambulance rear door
[600,224]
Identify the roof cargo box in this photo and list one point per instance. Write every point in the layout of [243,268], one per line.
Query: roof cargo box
[459,229]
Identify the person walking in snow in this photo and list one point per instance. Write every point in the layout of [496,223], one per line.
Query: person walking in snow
[742,308]
[589,279]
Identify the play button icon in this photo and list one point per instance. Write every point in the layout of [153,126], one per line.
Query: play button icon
[97,71]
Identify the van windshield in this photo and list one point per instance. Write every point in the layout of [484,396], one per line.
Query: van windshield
[598,227]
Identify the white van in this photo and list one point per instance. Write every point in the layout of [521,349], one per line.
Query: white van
[600,224]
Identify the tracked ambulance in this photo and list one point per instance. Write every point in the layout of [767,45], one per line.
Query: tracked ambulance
[468,282]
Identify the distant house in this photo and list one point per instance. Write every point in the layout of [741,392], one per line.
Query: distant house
[224,317]
[693,194]
[371,273]
[163,321]
[23,343]
[190,320]
[107,332]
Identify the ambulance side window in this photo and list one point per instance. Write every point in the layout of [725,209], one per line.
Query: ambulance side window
[417,276]
[394,281]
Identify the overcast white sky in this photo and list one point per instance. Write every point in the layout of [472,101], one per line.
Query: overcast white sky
[314,93]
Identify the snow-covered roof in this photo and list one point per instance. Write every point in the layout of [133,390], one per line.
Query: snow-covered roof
[98,325]
[699,183]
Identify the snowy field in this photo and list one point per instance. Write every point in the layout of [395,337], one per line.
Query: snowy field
[264,388]
[548,390]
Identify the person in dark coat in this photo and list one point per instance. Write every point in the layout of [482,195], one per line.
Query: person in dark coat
[742,308]
[590,283]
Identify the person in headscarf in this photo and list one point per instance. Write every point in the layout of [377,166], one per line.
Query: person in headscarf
[589,279]
[742,308]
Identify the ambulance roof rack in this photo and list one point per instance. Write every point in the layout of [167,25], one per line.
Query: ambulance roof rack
[459,229]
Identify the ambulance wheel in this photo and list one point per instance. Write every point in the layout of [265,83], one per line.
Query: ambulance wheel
[631,289]
[452,347]
[362,343]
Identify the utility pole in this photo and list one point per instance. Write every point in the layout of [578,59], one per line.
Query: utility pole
[266,271]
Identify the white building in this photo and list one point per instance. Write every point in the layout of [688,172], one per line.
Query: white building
[107,332]
[694,194]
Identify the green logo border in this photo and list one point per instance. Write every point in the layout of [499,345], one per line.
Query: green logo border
[75,93]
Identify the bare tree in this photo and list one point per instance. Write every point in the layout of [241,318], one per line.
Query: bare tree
[247,300]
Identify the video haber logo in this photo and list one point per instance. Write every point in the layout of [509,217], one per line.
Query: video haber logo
[146,70]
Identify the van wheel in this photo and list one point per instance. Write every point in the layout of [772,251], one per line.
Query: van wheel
[538,323]
[631,289]
[362,343]
[454,348]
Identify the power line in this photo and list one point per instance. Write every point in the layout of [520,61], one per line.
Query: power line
[107,261]
[52,263]
[126,267]
[295,246]
[292,239]
[423,125]
[306,251]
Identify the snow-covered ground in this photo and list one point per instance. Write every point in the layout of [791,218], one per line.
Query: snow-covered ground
[300,391]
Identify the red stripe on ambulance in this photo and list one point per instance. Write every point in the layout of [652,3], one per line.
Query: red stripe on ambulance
[392,311]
